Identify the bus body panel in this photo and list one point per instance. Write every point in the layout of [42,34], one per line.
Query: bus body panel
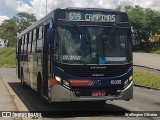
[61,94]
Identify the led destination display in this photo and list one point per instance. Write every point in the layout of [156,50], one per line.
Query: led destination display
[98,17]
[93,16]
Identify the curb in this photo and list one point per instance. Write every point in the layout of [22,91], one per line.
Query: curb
[146,67]
[19,104]
[146,87]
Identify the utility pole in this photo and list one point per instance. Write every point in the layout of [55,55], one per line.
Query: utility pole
[46,7]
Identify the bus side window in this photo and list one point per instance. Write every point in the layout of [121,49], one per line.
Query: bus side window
[22,46]
[27,42]
[39,46]
[34,35]
[34,41]
[37,33]
[30,36]
[40,35]
[39,39]
[19,40]
[30,41]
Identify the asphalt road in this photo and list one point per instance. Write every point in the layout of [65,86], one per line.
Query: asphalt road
[147,59]
[144,100]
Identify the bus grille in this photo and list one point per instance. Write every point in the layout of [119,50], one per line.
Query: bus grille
[96,71]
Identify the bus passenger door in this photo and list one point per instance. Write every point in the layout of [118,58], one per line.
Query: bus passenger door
[46,62]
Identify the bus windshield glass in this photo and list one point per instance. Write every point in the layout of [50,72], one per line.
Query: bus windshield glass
[92,45]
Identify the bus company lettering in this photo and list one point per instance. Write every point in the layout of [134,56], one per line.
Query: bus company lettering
[100,17]
[71,57]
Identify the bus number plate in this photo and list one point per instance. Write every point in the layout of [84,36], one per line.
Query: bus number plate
[99,93]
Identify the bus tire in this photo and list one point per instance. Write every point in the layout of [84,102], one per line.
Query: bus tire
[23,85]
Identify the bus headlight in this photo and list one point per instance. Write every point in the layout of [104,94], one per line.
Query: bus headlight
[58,79]
[127,81]
[65,83]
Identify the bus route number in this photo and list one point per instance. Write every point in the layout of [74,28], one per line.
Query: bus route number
[74,16]
[116,82]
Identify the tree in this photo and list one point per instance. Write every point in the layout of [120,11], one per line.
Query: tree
[10,28]
[24,20]
[145,22]
[8,31]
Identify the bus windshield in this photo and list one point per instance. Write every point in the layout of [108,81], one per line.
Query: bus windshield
[92,45]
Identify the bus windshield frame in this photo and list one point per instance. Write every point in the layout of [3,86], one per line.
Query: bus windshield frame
[89,44]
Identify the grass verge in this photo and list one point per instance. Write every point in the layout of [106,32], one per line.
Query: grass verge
[8,57]
[147,78]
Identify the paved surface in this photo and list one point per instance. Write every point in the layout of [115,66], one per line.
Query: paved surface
[6,100]
[144,100]
[9,101]
[147,59]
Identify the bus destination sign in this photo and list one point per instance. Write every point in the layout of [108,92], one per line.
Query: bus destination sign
[95,17]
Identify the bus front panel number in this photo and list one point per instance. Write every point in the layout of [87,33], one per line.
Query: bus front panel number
[116,82]
[74,16]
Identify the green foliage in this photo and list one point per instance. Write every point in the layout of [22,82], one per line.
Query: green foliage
[10,28]
[148,47]
[24,20]
[146,78]
[8,57]
[145,22]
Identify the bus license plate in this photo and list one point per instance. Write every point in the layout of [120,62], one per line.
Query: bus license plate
[99,93]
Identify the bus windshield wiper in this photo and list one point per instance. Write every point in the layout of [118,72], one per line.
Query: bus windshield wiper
[108,38]
[85,37]
[81,32]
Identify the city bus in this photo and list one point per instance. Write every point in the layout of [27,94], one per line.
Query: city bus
[77,54]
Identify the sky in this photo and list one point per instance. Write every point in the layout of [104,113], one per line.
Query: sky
[9,8]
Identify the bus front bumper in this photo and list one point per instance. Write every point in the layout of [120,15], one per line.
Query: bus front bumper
[61,94]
